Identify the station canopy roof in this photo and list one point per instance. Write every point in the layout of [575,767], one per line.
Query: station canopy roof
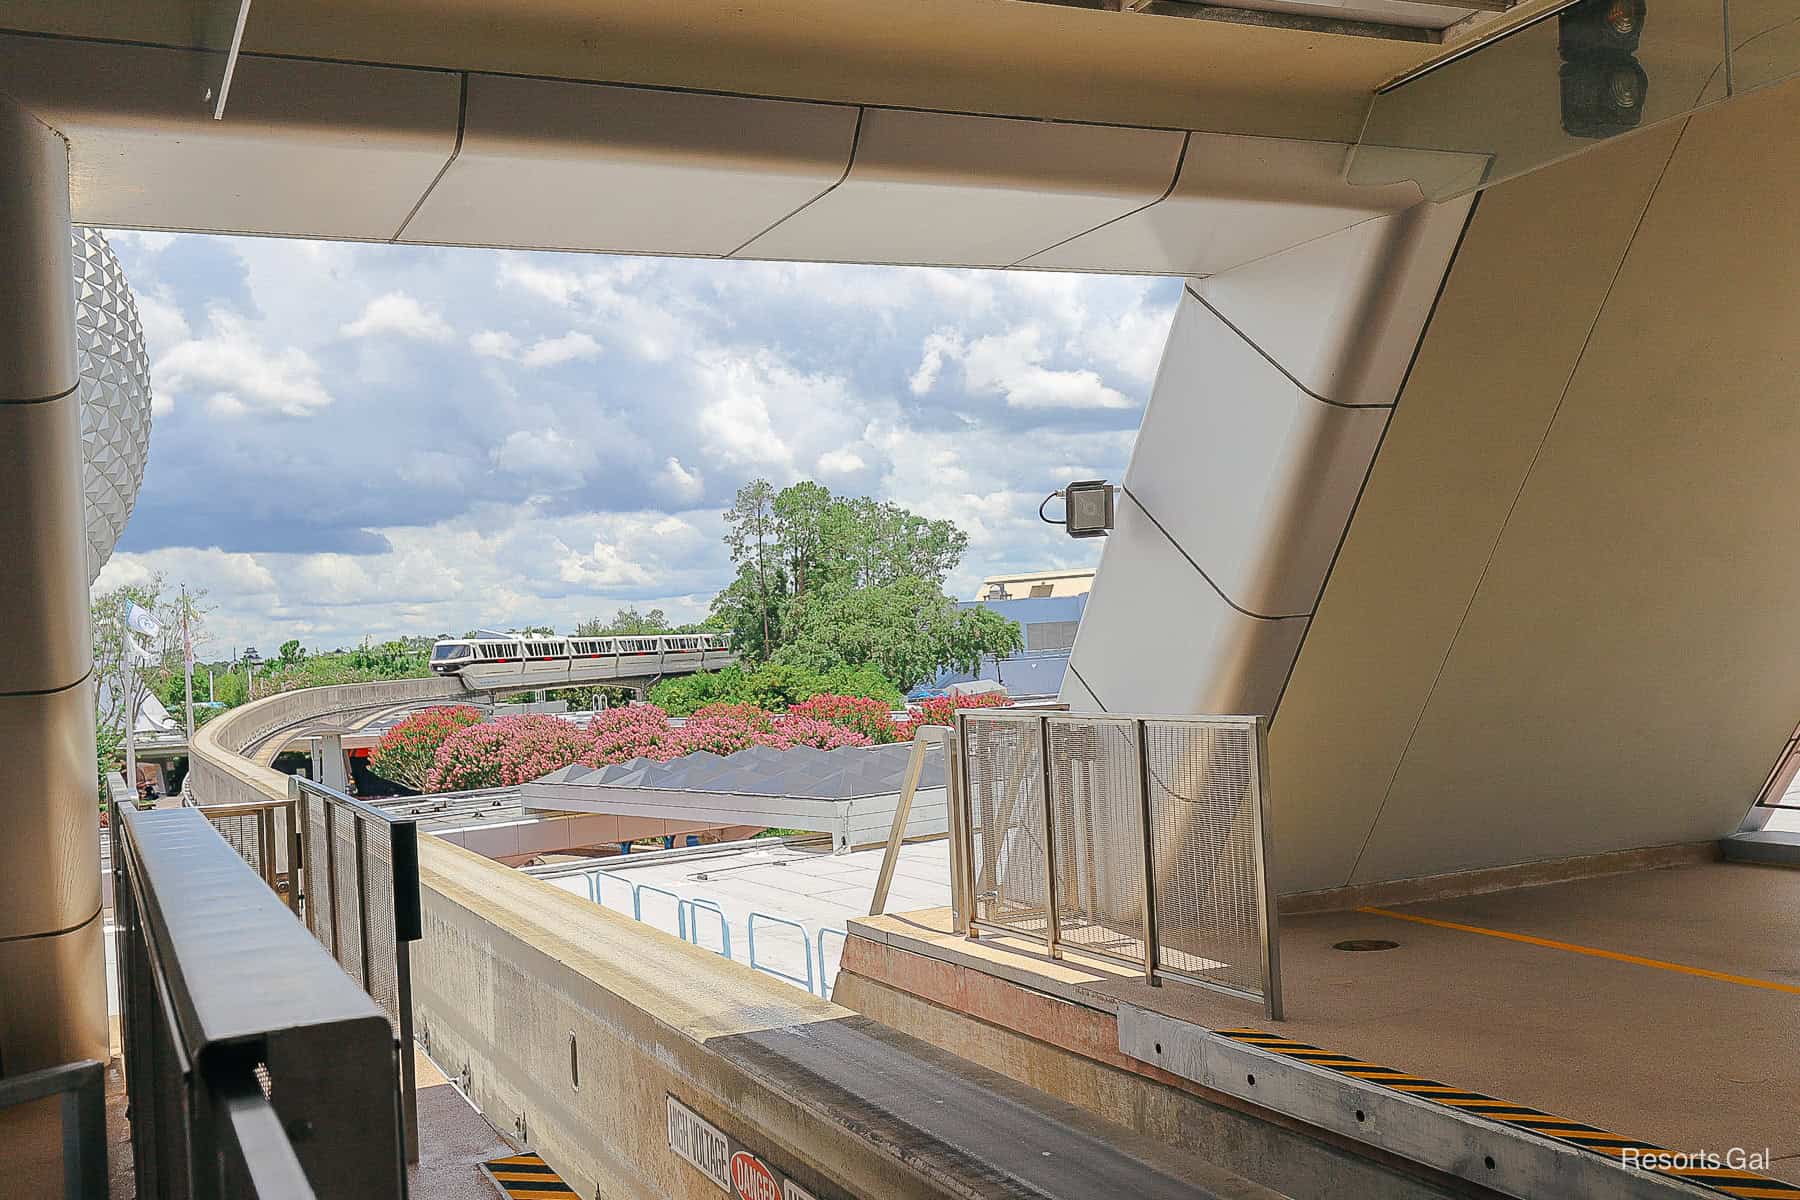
[802,772]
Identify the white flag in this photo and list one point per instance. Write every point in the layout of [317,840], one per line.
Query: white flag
[142,656]
[141,619]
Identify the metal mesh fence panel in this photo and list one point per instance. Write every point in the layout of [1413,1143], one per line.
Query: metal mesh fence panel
[1097,814]
[1205,794]
[244,834]
[345,893]
[318,874]
[378,892]
[1005,781]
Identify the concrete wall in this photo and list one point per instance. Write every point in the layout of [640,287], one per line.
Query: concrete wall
[512,971]
[218,772]
[1562,621]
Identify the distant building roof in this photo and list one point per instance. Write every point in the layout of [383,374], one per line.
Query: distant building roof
[1058,581]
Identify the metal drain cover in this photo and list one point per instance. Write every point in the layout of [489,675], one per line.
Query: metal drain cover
[1365,944]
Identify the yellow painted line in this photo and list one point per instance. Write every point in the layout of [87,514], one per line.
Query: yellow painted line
[1591,951]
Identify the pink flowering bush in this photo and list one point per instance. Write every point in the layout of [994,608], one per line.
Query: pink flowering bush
[868,717]
[408,751]
[622,734]
[747,714]
[941,710]
[719,734]
[506,752]
[797,729]
[515,750]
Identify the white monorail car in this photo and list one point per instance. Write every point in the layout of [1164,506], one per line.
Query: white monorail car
[532,662]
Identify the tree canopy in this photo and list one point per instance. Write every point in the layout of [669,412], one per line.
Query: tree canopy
[829,581]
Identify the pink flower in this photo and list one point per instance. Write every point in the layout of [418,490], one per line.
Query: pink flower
[870,718]
[941,710]
[798,729]
[506,752]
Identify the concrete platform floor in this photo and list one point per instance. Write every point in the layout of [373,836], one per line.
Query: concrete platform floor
[1663,1005]
[454,1140]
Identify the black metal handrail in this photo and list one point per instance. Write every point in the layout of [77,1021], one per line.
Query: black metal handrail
[360,872]
[256,1070]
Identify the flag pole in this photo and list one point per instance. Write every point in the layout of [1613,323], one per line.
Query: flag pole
[187,659]
[131,703]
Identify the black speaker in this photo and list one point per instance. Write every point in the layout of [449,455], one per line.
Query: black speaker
[1604,87]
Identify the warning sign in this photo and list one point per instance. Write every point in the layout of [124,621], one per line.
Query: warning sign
[700,1142]
[737,1170]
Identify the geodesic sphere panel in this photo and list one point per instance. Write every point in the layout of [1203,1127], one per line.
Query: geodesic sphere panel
[114,392]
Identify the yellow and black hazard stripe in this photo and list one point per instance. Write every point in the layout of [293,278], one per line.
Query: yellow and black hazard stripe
[527,1177]
[1744,1184]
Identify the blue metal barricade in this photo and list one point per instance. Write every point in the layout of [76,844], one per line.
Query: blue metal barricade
[637,906]
[805,981]
[601,879]
[697,906]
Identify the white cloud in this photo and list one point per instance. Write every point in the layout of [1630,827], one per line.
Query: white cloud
[685,485]
[494,343]
[546,458]
[735,417]
[236,375]
[553,352]
[1011,365]
[841,462]
[399,314]
[931,363]
[162,320]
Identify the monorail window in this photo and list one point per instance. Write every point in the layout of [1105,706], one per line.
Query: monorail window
[444,652]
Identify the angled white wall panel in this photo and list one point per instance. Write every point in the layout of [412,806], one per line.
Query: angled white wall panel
[1267,412]
[1164,641]
[974,191]
[554,165]
[307,149]
[1342,314]
[1251,475]
[1238,199]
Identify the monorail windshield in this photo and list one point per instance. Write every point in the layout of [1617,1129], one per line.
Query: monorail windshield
[449,651]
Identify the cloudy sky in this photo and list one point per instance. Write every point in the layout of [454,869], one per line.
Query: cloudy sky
[354,440]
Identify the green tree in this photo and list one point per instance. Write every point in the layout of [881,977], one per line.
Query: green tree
[907,628]
[109,756]
[625,622]
[771,686]
[291,653]
[749,532]
[877,542]
[751,613]
[792,543]
[802,528]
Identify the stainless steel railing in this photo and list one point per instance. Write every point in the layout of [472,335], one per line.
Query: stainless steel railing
[361,880]
[1137,840]
[266,835]
[255,1069]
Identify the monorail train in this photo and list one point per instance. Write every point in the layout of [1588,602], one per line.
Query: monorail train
[493,659]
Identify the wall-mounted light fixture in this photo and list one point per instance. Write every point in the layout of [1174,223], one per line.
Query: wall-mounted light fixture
[1087,508]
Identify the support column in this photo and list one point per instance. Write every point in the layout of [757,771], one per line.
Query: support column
[52,965]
